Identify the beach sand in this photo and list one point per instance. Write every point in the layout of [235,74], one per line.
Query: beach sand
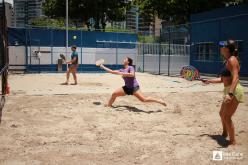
[44,122]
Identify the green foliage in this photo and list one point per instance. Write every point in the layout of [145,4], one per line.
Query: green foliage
[146,9]
[148,39]
[82,10]
[59,23]
[110,29]
[179,11]
[44,22]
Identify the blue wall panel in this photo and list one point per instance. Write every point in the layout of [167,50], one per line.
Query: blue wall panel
[56,37]
[214,27]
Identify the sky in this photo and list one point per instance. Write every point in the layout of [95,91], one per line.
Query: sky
[10,1]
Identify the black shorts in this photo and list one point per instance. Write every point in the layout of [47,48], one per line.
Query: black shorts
[130,91]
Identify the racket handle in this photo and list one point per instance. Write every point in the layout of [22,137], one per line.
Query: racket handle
[101,66]
[203,80]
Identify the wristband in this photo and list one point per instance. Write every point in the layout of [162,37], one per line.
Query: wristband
[230,94]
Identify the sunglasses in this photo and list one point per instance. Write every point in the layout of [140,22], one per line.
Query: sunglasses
[223,44]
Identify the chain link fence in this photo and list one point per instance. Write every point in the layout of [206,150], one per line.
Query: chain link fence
[39,50]
[158,58]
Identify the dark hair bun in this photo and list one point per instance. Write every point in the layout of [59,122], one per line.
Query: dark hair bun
[130,61]
[231,45]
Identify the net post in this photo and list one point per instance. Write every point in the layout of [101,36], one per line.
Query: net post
[143,55]
[159,64]
[51,44]
[169,52]
[81,47]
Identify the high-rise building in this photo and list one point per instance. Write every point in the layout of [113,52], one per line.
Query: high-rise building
[132,19]
[137,23]
[8,12]
[25,11]
[130,22]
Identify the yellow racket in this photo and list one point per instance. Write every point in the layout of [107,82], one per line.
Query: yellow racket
[99,62]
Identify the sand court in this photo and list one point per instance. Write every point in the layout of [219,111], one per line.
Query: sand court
[44,122]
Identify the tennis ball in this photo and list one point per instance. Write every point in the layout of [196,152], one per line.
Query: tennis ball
[74,37]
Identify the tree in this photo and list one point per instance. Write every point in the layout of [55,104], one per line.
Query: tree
[82,10]
[179,11]
[43,22]
[146,10]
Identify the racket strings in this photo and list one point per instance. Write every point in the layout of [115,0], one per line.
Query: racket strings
[190,73]
[62,56]
[99,62]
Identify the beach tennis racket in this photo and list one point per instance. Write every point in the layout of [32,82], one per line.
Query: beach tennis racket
[64,59]
[190,73]
[99,62]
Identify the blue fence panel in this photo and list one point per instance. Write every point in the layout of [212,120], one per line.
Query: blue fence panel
[81,68]
[220,25]
[56,37]
[16,36]
[39,37]
[74,37]
[59,37]
[52,38]
[205,32]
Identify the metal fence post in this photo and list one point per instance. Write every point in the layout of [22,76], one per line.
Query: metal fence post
[190,43]
[26,47]
[159,59]
[143,54]
[30,45]
[116,49]
[51,39]
[169,52]
[81,42]
[219,31]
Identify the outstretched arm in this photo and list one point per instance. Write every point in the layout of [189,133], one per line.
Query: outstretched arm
[131,74]
[216,80]
[110,70]
[117,72]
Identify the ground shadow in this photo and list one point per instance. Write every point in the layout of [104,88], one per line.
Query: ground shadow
[64,84]
[134,109]
[221,140]
[1,107]
[1,113]
[97,103]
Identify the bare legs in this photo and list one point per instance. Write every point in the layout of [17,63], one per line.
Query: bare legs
[72,70]
[119,92]
[224,133]
[142,98]
[226,113]
[137,94]
[67,76]
[74,77]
